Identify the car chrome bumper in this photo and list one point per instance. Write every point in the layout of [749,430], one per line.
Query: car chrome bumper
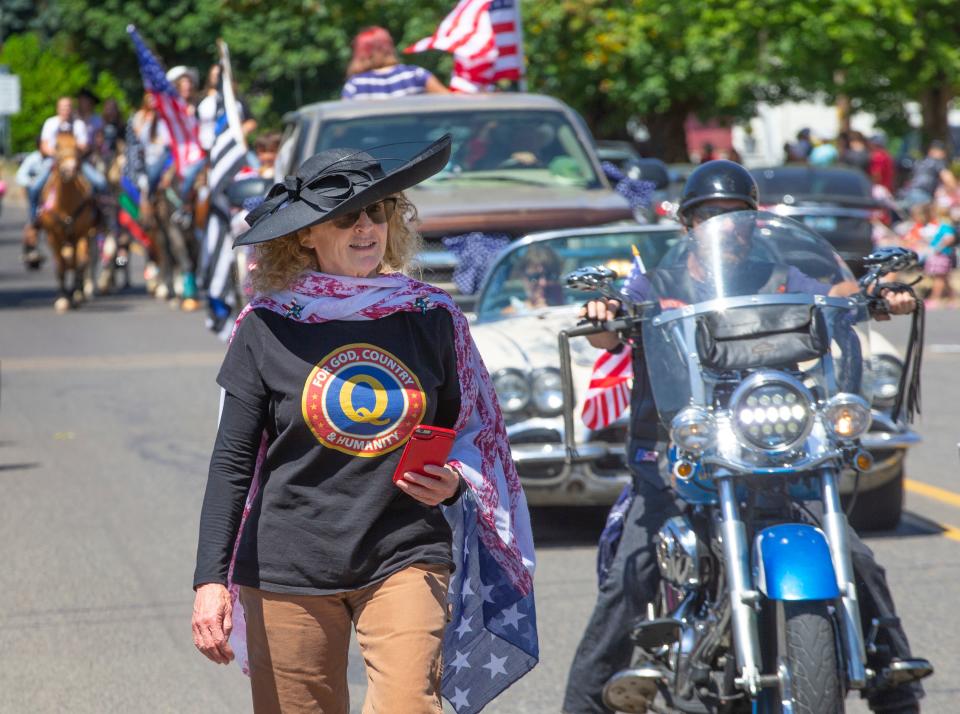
[548,480]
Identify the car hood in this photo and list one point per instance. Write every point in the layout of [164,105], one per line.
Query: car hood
[449,208]
[528,342]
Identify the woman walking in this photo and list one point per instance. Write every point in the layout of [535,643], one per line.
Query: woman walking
[330,369]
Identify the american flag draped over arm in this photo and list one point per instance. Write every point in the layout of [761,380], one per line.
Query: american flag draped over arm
[173,110]
[484,37]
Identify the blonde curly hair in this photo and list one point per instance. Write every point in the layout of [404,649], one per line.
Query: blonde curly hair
[280,261]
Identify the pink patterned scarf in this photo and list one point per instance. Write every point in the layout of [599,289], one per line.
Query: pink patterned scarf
[492,538]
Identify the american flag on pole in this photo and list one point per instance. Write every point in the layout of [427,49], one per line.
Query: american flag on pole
[182,126]
[485,39]
[608,394]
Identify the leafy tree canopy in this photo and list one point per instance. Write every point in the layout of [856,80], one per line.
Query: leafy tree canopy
[48,71]
[611,59]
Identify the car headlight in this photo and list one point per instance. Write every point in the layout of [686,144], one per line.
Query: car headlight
[771,411]
[693,429]
[547,391]
[886,380]
[513,390]
[847,415]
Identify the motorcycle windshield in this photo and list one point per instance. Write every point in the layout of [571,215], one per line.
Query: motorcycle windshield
[749,291]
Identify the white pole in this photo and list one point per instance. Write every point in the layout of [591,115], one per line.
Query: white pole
[229,99]
[522,84]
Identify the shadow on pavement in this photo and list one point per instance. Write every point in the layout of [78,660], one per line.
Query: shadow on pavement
[19,467]
[558,527]
[45,297]
[911,525]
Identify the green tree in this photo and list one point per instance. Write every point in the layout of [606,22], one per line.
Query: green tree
[285,53]
[657,61]
[48,71]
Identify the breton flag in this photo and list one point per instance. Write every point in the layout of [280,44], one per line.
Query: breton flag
[228,156]
[486,41]
[608,395]
[172,109]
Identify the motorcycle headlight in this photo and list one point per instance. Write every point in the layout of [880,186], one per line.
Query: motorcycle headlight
[886,380]
[513,390]
[547,391]
[847,416]
[693,429]
[771,411]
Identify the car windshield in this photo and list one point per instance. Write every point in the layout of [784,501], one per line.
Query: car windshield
[529,275]
[524,147]
[776,183]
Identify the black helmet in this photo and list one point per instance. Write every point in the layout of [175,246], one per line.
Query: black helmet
[717,179]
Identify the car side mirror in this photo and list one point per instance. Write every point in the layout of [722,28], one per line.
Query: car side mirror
[239,191]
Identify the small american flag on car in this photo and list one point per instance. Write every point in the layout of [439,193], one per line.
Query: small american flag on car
[484,37]
[608,394]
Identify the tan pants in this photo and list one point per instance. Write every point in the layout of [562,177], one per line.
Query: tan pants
[298,645]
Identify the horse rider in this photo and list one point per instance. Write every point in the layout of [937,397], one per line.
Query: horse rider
[27,175]
[63,122]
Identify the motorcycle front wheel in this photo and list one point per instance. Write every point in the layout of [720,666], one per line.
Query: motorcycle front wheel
[806,655]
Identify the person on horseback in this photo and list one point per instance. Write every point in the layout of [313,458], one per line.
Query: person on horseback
[27,175]
[87,102]
[63,122]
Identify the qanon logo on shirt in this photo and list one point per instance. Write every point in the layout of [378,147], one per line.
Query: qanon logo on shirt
[362,400]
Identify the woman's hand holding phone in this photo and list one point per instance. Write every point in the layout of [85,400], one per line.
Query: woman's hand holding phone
[433,487]
[419,474]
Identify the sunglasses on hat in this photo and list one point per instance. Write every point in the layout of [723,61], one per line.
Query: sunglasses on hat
[378,212]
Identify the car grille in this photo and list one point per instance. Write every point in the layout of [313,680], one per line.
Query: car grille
[541,471]
[611,464]
[537,436]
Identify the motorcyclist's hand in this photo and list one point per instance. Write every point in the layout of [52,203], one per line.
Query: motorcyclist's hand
[601,311]
[898,303]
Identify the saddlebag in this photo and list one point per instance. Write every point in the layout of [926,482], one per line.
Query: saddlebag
[761,336]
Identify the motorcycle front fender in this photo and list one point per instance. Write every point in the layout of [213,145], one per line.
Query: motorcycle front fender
[792,562]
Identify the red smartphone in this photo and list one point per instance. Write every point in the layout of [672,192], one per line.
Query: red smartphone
[427,445]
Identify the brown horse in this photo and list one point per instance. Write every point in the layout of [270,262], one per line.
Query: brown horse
[70,217]
[174,220]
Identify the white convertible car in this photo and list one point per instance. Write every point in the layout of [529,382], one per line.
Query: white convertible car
[520,311]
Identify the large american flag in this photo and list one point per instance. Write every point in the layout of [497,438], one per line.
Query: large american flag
[174,111]
[494,640]
[484,37]
[608,394]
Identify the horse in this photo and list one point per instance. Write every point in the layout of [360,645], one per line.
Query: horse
[176,228]
[70,217]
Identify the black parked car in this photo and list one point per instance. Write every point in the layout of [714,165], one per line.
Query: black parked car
[837,203]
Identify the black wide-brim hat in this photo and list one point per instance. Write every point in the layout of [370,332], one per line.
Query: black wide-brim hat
[334,182]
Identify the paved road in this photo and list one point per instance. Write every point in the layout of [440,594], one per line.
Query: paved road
[106,423]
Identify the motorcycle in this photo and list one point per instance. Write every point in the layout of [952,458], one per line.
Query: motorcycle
[755,338]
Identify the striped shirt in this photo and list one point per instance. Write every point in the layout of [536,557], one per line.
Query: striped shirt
[397,81]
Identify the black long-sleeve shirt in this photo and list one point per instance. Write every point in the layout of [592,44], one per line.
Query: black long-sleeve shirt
[337,400]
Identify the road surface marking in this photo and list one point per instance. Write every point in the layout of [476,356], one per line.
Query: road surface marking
[162,360]
[934,492]
[951,532]
[944,349]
